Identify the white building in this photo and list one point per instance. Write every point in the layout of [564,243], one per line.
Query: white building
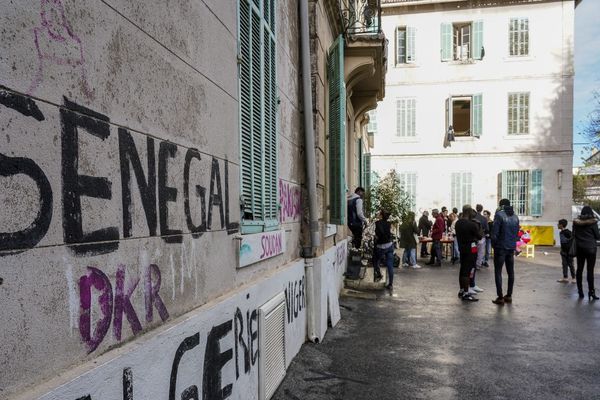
[499,76]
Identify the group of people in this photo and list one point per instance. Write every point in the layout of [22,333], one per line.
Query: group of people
[473,235]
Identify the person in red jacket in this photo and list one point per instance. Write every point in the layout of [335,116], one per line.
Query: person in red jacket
[439,227]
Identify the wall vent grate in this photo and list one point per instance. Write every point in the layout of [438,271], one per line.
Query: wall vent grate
[272,359]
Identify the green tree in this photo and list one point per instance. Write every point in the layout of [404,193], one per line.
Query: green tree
[387,193]
[579,185]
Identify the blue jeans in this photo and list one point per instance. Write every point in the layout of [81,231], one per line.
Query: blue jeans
[455,251]
[488,249]
[387,255]
[409,256]
[504,257]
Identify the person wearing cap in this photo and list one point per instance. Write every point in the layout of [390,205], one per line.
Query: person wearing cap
[504,241]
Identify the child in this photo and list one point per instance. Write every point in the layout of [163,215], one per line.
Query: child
[565,241]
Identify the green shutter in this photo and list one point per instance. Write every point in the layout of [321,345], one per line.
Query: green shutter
[410,44]
[337,132]
[446,41]
[536,193]
[477,115]
[258,116]
[367,171]
[503,185]
[361,169]
[477,40]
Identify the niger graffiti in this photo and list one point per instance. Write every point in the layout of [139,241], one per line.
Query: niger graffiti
[157,195]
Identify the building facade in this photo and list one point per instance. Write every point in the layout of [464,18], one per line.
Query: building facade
[479,105]
[157,233]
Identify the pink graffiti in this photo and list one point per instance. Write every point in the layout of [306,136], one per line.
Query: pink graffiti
[290,198]
[57,44]
[271,245]
[98,281]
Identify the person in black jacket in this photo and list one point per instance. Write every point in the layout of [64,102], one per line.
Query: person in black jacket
[565,243]
[504,241]
[384,247]
[468,233]
[585,232]
[424,228]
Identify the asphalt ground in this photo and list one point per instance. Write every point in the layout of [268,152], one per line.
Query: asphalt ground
[421,342]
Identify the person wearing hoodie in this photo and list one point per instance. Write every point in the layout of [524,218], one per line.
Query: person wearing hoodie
[356,216]
[585,232]
[504,239]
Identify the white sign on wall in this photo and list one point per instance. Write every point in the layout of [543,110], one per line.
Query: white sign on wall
[260,246]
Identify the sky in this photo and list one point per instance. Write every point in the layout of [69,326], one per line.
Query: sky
[587,70]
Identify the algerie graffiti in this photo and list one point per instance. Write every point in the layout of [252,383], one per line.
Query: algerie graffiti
[113,306]
[230,352]
[290,198]
[156,194]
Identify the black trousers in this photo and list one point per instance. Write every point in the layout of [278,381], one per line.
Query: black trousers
[504,257]
[423,249]
[567,264]
[436,252]
[585,255]
[357,232]
[467,263]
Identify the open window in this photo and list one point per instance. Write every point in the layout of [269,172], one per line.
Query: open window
[462,41]
[464,115]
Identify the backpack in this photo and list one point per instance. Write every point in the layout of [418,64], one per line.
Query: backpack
[352,214]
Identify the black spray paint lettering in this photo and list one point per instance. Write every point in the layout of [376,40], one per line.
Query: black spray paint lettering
[75,186]
[295,299]
[248,346]
[77,120]
[127,384]
[128,155]
[188,344]
[16,242]
[214,361]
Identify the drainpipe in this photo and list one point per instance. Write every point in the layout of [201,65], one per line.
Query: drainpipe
[313,290]
[309,134]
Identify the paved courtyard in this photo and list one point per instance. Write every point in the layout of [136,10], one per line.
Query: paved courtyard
[422,342]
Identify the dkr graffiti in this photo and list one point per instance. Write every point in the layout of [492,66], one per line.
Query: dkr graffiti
[212,198]
[290,199]
[114,306]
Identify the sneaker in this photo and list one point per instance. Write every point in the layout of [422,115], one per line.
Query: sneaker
[499,301]
[485,264]
[461,293]
[477,289]
[389,287]
[416,266]
[508,299]
[573,280]
[563,280]
[472,291]
[405,265]
[468,297]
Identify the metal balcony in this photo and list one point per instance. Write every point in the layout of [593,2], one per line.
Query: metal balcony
[361,17]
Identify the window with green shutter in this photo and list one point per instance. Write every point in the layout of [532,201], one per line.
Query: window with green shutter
[337,132]
[524,189]
[518,33]
[518,113]
[446,41]
[367,171]
[477,115]
[406,117]
[258,115]
[408,181]
[461,189]
[462,41]
[478,40]
[465,115]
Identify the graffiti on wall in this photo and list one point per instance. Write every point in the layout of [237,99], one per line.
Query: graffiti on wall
[290,199]
[112,305]
[212,355]
[157,196]
[56,43]
[260,246]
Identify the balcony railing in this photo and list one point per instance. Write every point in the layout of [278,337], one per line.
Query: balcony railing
[361,17]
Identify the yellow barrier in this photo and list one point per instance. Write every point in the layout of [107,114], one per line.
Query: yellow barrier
[540,235]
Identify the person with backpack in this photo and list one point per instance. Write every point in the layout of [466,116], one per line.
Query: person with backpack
[565,243]
[384,248]
[356,216]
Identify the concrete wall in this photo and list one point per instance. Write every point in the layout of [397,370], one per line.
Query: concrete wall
[96,248]
[547,74]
